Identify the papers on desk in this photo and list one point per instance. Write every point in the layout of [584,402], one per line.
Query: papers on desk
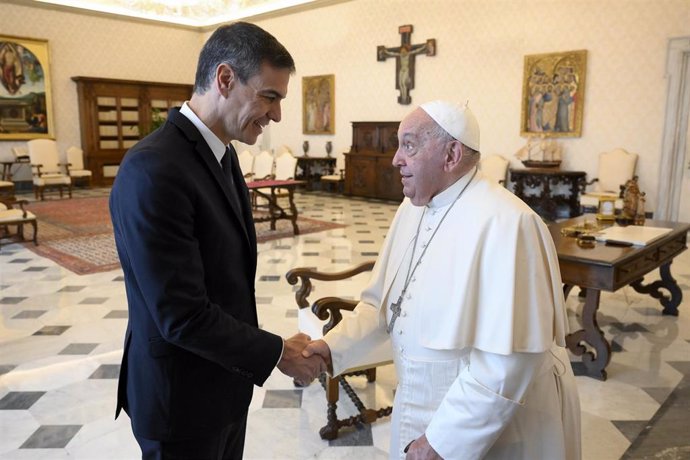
[634,234]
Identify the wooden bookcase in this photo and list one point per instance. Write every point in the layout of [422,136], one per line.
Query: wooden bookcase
[115,114]
[369,170]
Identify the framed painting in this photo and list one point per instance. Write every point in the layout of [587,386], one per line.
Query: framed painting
[318,104]
[553,94]
[26,107]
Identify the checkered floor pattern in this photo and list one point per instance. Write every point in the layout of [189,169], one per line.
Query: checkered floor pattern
[61,344]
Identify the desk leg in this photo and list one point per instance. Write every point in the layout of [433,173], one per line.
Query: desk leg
[293,210]
[666,282]
[593,336]
[273,208]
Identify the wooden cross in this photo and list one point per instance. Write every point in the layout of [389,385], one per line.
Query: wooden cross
[404,60]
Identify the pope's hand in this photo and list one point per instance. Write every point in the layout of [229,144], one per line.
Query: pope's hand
[302,368]
[420,449]
[318,347]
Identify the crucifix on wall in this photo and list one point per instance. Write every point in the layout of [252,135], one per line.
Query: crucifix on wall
[404,60]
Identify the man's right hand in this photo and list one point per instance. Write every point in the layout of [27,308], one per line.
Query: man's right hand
[293,363]
[320,348]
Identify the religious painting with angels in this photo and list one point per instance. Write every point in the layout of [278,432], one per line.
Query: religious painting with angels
[25,97]
[553,94]
[318,104]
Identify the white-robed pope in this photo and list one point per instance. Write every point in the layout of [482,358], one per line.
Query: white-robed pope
[467,290]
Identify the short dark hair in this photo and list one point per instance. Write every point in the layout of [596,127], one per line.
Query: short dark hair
[242,46]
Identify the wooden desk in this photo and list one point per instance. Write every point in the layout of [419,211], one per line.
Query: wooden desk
[275,211]
[609,268]
[312,168]
[539,188]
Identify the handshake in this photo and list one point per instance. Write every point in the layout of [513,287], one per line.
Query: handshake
[304,359]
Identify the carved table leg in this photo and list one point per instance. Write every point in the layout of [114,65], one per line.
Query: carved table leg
[593,336]
[666,282]
[293,210]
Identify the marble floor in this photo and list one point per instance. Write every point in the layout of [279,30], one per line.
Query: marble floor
[61,344]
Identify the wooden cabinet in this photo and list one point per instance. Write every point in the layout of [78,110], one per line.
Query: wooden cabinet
[369,170]
[115,114]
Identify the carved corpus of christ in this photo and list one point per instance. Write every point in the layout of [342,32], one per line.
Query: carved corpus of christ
[404,60]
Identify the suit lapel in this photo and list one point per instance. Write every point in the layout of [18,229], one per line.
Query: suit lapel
[209,160]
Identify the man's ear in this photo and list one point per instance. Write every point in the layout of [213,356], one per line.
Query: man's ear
[453,155]
[225,79]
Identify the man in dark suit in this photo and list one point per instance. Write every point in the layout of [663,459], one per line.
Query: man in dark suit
[185,237]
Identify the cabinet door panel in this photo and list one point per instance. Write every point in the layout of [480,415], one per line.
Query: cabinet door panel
[361,176]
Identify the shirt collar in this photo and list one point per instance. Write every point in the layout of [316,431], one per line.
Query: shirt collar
[447,196]
[215,144]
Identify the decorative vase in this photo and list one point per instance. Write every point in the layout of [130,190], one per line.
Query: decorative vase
[329,148]
[305,148]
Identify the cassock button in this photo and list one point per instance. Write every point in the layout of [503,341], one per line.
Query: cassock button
[403,314]
[424,244]
[428,228]
[408,296]
[414,278]
[400,332]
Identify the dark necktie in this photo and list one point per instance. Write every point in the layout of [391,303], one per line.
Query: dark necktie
[226,164]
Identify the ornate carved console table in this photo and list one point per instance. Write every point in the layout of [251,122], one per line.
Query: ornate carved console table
[552,193]
[609,268]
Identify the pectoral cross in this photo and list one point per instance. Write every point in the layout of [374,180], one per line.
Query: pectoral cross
[395,309]
[404,60]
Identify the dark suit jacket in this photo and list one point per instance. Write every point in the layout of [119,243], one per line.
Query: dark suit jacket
[193,349]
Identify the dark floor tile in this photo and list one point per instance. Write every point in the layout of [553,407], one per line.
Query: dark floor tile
[282,399]
[578,368]
[6,368]
[631,429]
[78,349]
[51,437]
[370,254]
[616,347]
[119,278]
[310,254]
[628,327]
[282,247]
[276,261]
[264,300]
[29,314]
[269,278]
[358,435]
[19,261]
[11,300]
[71,288]
[106,371]
[20,400]
[117,314]
[341,261]
[35,269]
[291,313]
[366,241]
[93,300]
[51,330]
[659,394]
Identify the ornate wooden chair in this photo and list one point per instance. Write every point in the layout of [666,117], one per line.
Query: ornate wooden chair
[75,166]
[615,169]
[246,160]
[12,213]
[336,180]
[46,167]
[324,314]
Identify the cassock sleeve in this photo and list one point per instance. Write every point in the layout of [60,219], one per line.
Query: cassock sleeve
[481,403]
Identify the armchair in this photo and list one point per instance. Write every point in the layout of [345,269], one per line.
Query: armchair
[495,168]
[337,179]
[75,165]
[246,160]
[46,167]
[615,169]
[12,213]
[324,314]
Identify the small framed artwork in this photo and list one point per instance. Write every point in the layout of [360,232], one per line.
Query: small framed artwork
[607,209]
[318,104]
[553,94]
[26,105]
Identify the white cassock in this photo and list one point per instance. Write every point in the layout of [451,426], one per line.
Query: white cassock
[479,344]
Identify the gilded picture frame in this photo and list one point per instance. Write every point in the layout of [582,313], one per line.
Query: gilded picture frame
[26,103]
[553,94]
[318,104]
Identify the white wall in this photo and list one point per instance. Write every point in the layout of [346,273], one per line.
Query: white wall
[481,48]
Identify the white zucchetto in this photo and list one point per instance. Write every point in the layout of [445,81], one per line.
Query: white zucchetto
[457,120]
